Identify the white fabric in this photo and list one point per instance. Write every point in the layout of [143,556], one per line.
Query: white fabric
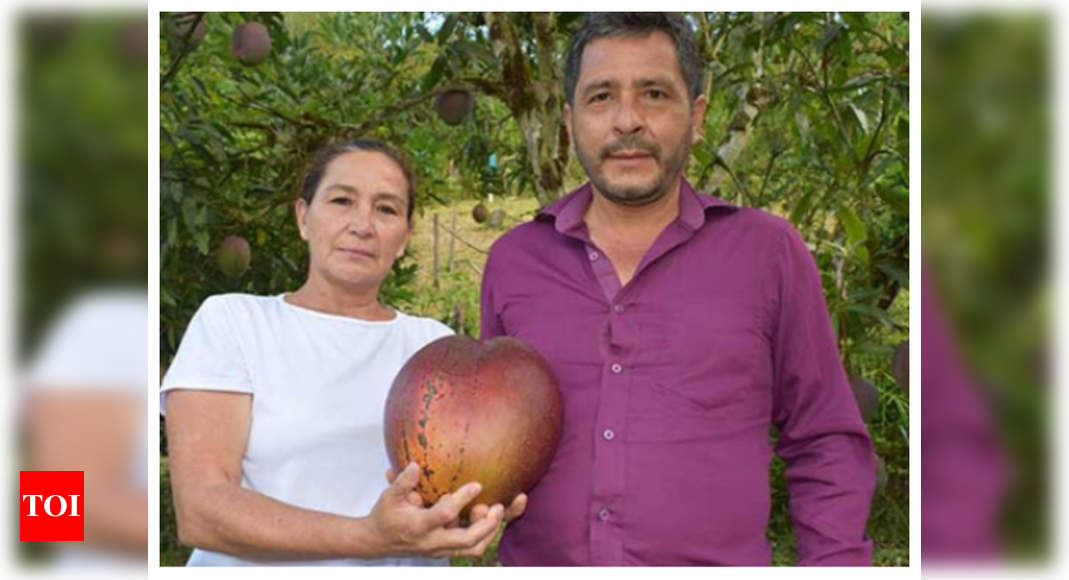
[99,344]
[319,384]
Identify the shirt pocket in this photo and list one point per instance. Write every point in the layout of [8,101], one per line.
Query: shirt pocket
[703,380]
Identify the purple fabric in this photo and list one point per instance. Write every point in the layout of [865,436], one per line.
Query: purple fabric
[964,471]
[671,385]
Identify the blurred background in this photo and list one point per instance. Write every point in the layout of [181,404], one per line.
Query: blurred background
[987,144]
[80,202]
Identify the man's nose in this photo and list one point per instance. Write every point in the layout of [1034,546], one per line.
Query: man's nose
[627,118]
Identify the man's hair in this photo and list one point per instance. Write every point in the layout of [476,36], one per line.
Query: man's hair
[328,153]
[613,24]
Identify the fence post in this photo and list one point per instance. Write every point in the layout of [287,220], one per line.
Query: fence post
[435,267]
[452,242]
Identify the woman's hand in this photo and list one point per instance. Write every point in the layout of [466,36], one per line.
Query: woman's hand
[479,511]
[406,527]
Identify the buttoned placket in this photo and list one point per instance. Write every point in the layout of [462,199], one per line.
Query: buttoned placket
[609,477]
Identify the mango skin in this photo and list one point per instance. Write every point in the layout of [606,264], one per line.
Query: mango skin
[469,411]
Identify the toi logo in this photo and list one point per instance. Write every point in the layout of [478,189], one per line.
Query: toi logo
[51,506]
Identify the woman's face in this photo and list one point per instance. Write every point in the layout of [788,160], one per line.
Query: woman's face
[356,224]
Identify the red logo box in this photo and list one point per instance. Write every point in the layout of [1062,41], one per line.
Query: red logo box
[52,506]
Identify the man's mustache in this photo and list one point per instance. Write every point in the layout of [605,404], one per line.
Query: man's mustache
[632,143]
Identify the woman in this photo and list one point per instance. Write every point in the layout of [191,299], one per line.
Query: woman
[274,403]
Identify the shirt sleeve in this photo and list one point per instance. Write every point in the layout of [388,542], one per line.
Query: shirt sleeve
[99,343]
[489,322]
[210,357]
[830,464]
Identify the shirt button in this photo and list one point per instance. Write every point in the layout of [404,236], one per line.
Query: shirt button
[603,514]
[618,308]
[608,434]
[616,368]
[593,256]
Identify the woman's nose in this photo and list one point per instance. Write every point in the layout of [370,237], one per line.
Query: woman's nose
[360,222]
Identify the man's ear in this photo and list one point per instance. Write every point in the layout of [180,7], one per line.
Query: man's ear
[300,207]
[697,118]
[566,114]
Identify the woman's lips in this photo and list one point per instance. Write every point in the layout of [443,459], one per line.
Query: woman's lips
[355,252]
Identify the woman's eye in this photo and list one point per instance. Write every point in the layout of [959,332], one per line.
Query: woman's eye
[387,209]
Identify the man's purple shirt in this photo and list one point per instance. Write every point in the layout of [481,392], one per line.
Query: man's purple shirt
[671,385]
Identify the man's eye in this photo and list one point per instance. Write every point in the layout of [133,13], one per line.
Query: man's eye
[656,93]
[599,97]
[341,200]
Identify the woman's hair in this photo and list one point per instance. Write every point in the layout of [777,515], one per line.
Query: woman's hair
[325,155]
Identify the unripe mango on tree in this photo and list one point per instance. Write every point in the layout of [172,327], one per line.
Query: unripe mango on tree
[867,396]
[479,213]
[497,218]
[900,365]
[233,256]
[251,43]
[454,105]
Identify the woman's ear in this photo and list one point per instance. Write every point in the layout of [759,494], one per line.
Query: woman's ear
[300,207]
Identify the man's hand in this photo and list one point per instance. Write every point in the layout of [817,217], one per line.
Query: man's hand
[515,510]
[405,527]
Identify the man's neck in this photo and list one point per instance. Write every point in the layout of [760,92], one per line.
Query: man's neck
[615,221]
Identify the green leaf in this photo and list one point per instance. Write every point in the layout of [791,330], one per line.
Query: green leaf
[172,232]
[856,20]
[862,254]
[862,118]
[424,34]
[435,74]
[893,56]
[855,228]
[871,312]
[201,239]
[897,199]
[831,32]
[447,29]
[802,207]
[166,298]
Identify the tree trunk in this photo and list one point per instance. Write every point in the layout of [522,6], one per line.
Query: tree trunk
[535,98]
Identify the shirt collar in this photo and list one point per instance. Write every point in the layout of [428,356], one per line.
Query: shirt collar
[568,211]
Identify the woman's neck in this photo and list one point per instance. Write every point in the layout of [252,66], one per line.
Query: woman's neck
[353,302]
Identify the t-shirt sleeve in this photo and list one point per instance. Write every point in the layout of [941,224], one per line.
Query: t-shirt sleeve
[438,330]
[99,343]
[210,357]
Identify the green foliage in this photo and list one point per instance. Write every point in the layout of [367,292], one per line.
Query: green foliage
[171,552]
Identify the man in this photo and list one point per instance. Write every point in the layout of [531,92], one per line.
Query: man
[680,328]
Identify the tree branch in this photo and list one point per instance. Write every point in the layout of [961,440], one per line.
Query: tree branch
[186,49]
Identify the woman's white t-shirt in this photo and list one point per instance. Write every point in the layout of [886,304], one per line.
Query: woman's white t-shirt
[319,384]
